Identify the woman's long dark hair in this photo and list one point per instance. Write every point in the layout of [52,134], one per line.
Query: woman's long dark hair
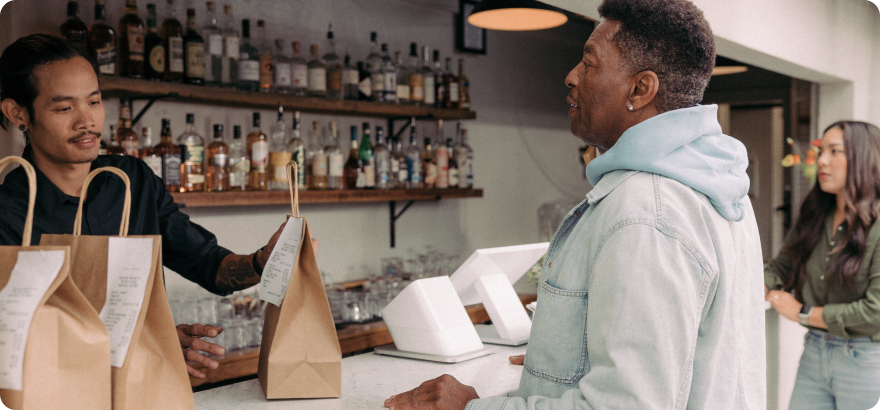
[861,142]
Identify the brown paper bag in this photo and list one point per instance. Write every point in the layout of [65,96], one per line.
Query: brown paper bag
[300,355]
[153,376]
[67,355]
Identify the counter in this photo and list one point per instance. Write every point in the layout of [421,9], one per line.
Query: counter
[369,379]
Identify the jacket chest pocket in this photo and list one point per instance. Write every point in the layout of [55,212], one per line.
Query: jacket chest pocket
[558,342]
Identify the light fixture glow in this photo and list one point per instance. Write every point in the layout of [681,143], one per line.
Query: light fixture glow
[515,15]
[729,69]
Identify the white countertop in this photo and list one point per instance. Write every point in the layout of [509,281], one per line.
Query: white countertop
[369,379]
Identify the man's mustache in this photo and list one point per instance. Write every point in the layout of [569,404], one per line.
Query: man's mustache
[83,134]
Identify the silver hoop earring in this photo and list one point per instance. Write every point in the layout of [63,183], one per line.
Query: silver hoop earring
[630,107]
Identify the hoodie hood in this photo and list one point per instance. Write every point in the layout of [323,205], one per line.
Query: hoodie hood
[686,145]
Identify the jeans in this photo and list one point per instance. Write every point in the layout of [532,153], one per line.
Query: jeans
[837,373]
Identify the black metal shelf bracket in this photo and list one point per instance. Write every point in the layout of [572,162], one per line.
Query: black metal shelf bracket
[396,215]
[396,135]
[150,102]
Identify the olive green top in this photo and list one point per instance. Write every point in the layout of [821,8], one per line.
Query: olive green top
[849,313]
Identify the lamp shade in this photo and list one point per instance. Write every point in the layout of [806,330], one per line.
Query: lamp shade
[515,15]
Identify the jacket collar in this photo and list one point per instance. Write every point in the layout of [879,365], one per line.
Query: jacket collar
[607,184]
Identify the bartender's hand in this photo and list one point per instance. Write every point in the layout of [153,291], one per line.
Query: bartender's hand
[190,341]
[785,304]
[518,359]
[263,255]
[442,393]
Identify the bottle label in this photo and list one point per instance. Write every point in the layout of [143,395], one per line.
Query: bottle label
[215,45]
[193,154]
[103,151]
[378,81]
[237,180]
[278,165]
[369,175]
[192,179]
[453,177]
[319,165]
[300,75]
[429,90]
[239,171]
[361,179]
[335,165]
[220,160]
[350,77]
[130,147]
[334,80]
[417,87]
[453,92]
[430,174]
[175,55]
[390,83]
[299,156]
[282,75]
[157,58]
[195,60]
[106,58]
[171,169]
[442,168]
[155,164]
[395,165]
[266,75]
[403,174]
[366,86]
[248,70]
[232,47]
[414,169]
[317,79]
[135,43]
[260,155]
[441,93]
[403,91]
[469,170]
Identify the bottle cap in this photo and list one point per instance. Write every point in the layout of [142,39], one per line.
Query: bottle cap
[166,122]
[190,119]
[190,12]
[218,129]
[211,5]
[413,50]
[236,132]
[373,36]
[384,47]
[227,9]
[261,23]
[256,119]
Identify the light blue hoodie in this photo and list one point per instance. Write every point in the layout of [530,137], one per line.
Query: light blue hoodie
[686,145]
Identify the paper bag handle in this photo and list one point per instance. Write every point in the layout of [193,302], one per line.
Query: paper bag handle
[32,195]
[126,206]
[292,179]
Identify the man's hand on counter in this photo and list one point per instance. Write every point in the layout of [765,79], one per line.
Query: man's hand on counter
[518,359]
[190,341]
[442,393]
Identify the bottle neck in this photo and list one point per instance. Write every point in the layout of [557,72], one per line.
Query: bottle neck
[191,24]
[100,13]
[165,137]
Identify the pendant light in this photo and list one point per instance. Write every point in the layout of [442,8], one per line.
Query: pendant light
[515,15]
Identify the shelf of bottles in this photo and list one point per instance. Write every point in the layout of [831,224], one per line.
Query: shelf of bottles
[249,198]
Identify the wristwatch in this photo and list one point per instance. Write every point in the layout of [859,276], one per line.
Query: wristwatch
[804,314]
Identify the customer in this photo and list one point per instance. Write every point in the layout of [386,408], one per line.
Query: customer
[651,290]
[831,265]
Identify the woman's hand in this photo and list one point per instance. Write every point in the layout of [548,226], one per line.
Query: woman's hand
[785,304]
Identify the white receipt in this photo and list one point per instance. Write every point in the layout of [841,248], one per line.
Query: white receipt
[276,274]
[128,269]
[33,273]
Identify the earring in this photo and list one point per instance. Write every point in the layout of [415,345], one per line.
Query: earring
[22,127]
[630,107]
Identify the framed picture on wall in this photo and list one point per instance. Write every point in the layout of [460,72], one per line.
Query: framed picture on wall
[469,38]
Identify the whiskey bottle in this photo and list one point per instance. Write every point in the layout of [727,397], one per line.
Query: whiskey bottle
[464,156]
[194,51]
[413,160]
[172,40]
[265,57]
[279,155]
[239,163]
[453,165]
[398,165]
[335,158]
[258,152]
[299,71]
[213,37]
[102,41]
[429,166]
[416,77]
[148,153]
[297,148]
[170,154]
[441,158]
[127,138]
[365,86]
[231,49]
[374,65]
[74,29]
[439,85]
[217,164]
[282,71]
[389,77]
[114,148]
[353,171]
[430,89]
[131,42]
[450,82]
[192,145]
[350,79]
[383,161]
[464,95]
[248,61]
[402,75]
[368,161]
[333,68]
[317,159]
[154,67]
[317,86]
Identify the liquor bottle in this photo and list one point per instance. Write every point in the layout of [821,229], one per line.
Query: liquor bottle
[213,35]
[464,94]
[389,77]
[148,153]
[170,154]
[154,67]
[382,160]
[258,152]
[450,83]
[282,70]
[453,165]
[430,89]
[402,75]
[429,166]
[127,138]
[239,163]
[217,164]
[279,155]
[297,148]
[464,156]
[299,71]
[318,166]
[74,29]
[439,85]
[231,50]
[102,41]
[365,84]
[265,56]
[335,158]
[333,67]
[413,161]
[114,148]
[192,145]
[441,158]
[353,170]
[102,149]
[398,165]
[416,79]
[131,42]
[194,51]
[317,86]
[368,161]
[248,61]
[374,65]
[350,79]
[172,40]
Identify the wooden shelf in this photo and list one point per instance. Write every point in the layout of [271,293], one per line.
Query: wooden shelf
[113,86]
[353,338]
[240,198]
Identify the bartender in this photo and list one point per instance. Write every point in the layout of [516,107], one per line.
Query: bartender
[49,91]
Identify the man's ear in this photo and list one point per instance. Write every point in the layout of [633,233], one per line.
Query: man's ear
[15,113]
[643,90]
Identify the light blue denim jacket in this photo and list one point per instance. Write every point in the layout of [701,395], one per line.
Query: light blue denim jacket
[651,296]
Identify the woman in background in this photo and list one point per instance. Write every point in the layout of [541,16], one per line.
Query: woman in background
[827,276]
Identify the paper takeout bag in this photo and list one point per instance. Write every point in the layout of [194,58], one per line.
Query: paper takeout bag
[153,376]
[67,354]
[300,355]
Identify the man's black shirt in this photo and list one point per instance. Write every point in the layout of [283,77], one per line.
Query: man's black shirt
[187,248]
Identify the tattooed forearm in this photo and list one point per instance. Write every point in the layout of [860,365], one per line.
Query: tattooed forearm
[236,273]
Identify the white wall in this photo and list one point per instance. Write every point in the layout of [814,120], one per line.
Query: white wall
[525,154]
